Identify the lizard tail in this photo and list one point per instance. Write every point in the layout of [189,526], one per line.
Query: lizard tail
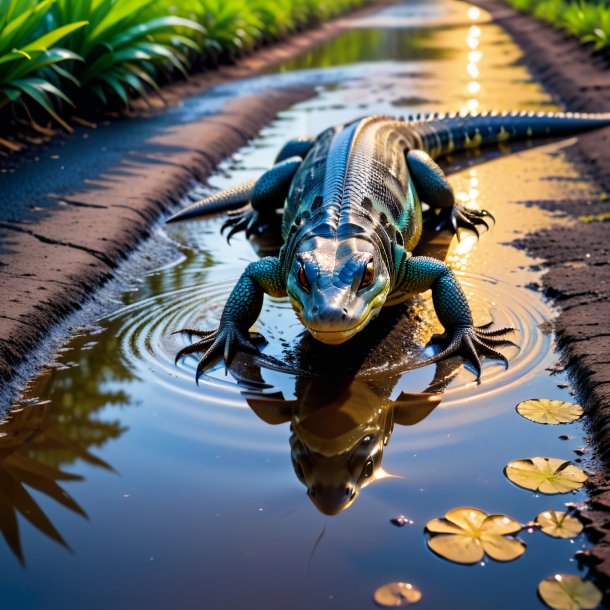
[445,134]
[231,199]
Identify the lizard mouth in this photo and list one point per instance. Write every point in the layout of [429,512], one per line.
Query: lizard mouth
[333,337]
[336,337]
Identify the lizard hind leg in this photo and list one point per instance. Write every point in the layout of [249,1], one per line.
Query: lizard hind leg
[268,195]
[432,187]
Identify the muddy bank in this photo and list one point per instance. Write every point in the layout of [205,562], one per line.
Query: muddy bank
[578,276]
[72,210]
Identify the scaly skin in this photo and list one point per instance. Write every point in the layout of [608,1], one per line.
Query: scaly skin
[352,216]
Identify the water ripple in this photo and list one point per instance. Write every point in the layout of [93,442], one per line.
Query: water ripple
[146,328]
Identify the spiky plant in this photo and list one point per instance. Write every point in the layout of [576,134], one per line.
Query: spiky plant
[118,50]
[589,20]
[129,46]
[232,27]
[29,59]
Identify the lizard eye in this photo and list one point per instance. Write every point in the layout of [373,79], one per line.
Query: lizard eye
[302,277]
[368,275]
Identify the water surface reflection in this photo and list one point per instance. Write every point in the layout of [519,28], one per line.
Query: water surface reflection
[340,425]
[42,439]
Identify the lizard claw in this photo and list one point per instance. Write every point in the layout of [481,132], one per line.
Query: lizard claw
[223,342]
[469,218]
[473,342]
[207,338]
[244,219]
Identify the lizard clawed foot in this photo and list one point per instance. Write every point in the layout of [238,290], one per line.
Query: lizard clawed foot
[245,219]
[223,342]
[472,342]
[459,217]
[469,218]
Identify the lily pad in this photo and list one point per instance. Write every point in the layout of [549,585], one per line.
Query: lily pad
[546,411]
[466,534]
[568,592]
[559,524]
[396,594]
[546,475]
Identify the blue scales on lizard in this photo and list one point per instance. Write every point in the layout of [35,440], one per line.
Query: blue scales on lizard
[352,215]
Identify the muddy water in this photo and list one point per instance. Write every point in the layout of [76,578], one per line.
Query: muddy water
[124,484]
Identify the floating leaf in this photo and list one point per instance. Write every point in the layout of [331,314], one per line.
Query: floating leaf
[568,592]
[545,411]
[547,475]
[396,594]
[559,524]
[466,534]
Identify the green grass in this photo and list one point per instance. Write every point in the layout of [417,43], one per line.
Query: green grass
[29,59]
[58,57]
[588,20]
[601,217]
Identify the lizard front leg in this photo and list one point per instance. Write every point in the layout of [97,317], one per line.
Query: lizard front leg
[240,312]
[422,273]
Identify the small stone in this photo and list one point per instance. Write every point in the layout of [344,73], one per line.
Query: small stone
[565,437]
[581,451]
[400,521]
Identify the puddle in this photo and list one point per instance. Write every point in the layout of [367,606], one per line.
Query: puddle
[124,483]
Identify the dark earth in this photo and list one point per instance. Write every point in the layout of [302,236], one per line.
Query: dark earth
[72,211]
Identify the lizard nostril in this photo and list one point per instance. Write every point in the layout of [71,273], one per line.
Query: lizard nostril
[344,313]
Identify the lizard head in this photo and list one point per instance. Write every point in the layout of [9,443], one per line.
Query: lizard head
[339,432]
[336,286]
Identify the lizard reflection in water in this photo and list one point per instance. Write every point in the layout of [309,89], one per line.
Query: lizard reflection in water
[340,426]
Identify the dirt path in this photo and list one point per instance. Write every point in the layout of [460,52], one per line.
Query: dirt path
[578,275]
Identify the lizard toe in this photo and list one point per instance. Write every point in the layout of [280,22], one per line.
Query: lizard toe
[490,352]
[236,228]
[488,331]
[196,332]
[199,346]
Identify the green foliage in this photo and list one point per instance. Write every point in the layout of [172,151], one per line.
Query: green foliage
[588,20]
[121,50]
[601,217]
[127,46]
[28,56]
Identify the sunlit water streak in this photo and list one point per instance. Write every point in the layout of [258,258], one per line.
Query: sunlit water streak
[191,495]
